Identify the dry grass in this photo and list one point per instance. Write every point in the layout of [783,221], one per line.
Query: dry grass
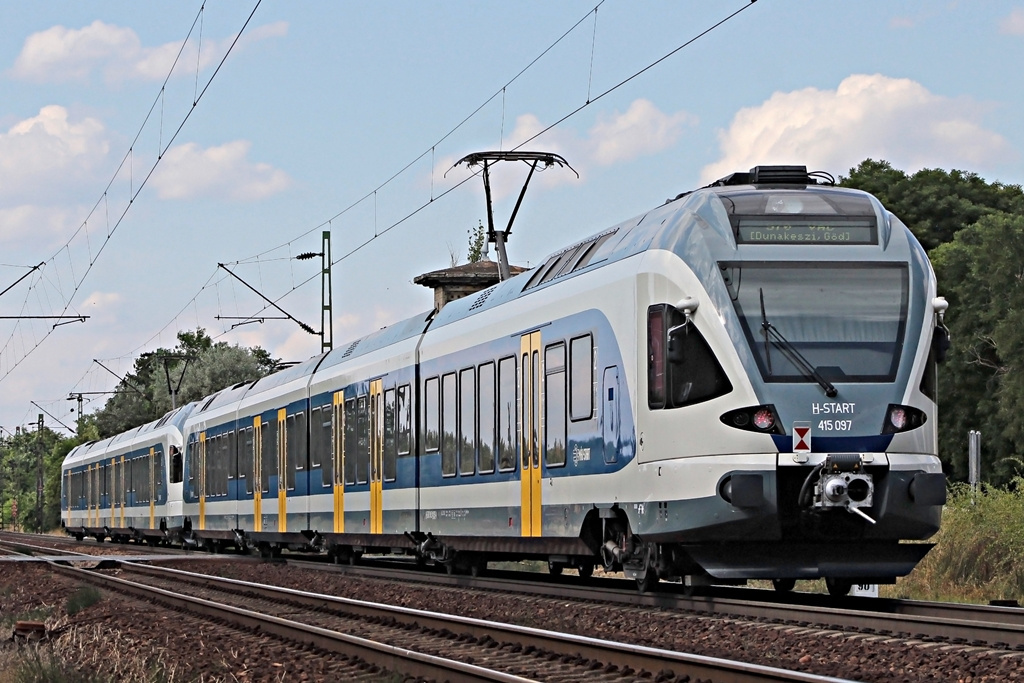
[87,654]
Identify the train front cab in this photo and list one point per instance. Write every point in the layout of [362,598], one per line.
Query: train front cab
[830,309]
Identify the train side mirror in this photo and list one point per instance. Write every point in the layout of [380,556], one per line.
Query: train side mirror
[940,338]
[676,352]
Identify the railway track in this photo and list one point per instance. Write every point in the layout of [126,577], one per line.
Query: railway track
[414,642]
[997,627]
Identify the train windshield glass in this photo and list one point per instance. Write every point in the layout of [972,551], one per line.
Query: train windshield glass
[821,322]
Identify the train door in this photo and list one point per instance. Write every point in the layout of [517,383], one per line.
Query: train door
[257,474]
[152,487]
[88,495]
[202,480]
[530,432]
[111,473]
[282,470]
[122,492]
[376,457]
[337,452]
[67,497]
[610,414]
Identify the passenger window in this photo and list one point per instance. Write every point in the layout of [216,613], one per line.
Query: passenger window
[404,412]
[554,405]
[449,424]
[351,444]
[320,453]
[486,417]
[362,440]
[246,457]
[431,415]
[295,447]
[581,372]
[390,445]
[507,395]
[467,421]
[176,465]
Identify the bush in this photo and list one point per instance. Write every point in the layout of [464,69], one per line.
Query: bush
[980,548]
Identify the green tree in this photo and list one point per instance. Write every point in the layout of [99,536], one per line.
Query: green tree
[202,367]
[981,273]
[934,203]
[974,231]
[477,236]
[20,455]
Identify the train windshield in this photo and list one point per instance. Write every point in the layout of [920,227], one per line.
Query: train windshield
[821,322]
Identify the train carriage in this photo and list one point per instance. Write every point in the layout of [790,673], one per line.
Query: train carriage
[369,483]
[737,384]
[127,486]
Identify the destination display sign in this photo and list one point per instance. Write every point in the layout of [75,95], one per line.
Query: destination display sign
[805,230]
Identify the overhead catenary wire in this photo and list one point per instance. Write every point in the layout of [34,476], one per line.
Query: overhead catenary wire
[563,119]
[134,192]
[260,257]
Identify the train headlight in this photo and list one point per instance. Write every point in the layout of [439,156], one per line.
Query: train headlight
[899,418]
[762,419]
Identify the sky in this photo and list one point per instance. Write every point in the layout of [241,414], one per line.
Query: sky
[143,144]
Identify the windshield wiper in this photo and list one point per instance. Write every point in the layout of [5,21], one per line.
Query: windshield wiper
[773,336]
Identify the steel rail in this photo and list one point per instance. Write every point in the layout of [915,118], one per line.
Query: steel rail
[622,655]
[959,623]
[997,626]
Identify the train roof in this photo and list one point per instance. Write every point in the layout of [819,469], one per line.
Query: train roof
[285,376]
[386,336]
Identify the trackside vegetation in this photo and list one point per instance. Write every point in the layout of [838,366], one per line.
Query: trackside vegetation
[980,551]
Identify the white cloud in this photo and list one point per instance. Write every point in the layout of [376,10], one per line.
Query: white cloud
[49,146]
[875,116]
[63,54]
[642,130]
[28,224]
[189,171]
[1013,24]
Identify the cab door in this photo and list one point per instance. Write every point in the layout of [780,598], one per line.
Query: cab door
[257,474]
[610,414]
[338,453]
[376,457]
[530,410]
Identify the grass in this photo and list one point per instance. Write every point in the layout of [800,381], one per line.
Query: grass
[82,598]
[980,551]
[87,654]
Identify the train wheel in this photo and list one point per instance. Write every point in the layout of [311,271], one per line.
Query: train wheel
[586,570]
[783,585]
[555,569]
[650,580]
[837,588]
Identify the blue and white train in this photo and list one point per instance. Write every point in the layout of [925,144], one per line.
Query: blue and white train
[737,384]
